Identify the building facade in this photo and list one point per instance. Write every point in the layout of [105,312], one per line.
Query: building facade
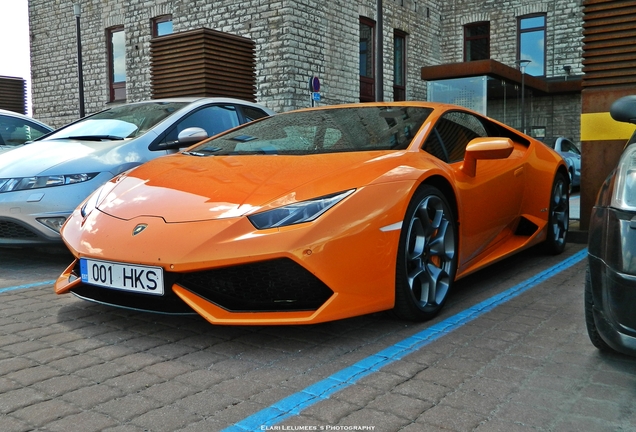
[295,40]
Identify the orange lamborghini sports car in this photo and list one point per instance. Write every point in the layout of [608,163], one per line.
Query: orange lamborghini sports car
[317,215]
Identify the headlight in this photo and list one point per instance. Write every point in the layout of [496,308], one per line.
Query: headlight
[97,197]
[624,197]
[37,182]
[296,213]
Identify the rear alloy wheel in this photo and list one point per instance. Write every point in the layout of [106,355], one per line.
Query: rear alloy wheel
[427,256]
[559,215]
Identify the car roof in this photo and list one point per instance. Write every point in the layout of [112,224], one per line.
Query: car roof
[205,100]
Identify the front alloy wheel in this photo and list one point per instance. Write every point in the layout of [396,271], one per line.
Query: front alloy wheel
[427,256]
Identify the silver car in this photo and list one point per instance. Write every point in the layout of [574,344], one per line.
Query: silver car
[41,183]
[572,156]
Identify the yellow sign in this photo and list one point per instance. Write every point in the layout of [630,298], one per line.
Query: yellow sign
[602,127]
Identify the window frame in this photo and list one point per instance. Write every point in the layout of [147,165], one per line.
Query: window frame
[399,90]
[367,82]
[116,88]
[468,39]
[521,31]
[154,22]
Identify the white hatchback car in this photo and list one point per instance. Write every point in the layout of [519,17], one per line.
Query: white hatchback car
[41,183]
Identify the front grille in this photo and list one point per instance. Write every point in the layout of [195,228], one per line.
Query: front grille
[276,285]
[12,230]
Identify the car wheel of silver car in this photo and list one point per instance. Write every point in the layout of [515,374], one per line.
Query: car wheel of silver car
[558,215]
[427,256]
[592,330]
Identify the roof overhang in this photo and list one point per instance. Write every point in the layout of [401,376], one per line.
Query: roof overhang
[498,70]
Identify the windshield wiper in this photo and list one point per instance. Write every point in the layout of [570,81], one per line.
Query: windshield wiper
[95,137]
[206,151]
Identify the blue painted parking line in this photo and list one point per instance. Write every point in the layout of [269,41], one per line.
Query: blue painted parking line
[32,285]
[294,404]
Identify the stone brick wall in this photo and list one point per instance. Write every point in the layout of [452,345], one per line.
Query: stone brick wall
[564,39]
[295,40]
[564,47]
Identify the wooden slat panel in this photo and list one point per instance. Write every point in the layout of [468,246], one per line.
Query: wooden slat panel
[203,62]
[13,94]
[609,51]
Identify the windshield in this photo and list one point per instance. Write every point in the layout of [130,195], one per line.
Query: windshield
[125,121]
[332,130]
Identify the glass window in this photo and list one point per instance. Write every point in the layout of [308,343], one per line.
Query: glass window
[569,147]
[15,131]
[363,128]
[451,134]
[124,121]
[214,119]
[531,44]
[399,65]
[367,82]
[477,41]
[251,113]
[366,49]
[117,63]
[162,25]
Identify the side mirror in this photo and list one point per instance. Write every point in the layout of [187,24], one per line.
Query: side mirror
[485,148]
[191,135]
[624,109]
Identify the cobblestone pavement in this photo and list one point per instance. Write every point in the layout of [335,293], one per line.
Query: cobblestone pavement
[527,365]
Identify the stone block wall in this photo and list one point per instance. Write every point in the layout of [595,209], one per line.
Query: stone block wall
[295,40]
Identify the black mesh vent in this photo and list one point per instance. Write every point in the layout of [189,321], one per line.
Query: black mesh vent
[277,285]
[12,230]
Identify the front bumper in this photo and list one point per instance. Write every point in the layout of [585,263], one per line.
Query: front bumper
[612,263]
[338,266]
[20,211]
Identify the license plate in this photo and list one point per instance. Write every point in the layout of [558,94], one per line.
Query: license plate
[126,277]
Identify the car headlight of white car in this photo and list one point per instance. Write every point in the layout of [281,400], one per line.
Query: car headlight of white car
[624,197]
[37,182]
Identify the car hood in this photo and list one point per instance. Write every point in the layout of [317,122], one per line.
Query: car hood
[68,157]
[182,188]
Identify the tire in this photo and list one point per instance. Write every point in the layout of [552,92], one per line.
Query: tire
[427,256]
[592,330]
[558,215]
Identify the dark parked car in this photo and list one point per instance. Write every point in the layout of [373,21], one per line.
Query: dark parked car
[610,286]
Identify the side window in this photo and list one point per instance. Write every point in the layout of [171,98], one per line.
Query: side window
[214,119]
[251,113]
[452,133]
[568,146]
[15,132]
